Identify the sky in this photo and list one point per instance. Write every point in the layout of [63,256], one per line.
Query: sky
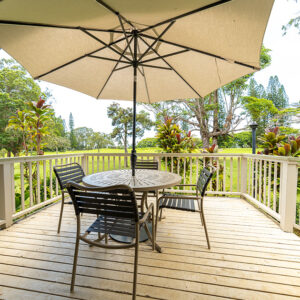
[92,113]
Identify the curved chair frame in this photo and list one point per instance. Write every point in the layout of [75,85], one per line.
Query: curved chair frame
[113,206]
[65,173]
[186,202]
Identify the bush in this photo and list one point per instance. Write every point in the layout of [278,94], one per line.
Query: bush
[147,143]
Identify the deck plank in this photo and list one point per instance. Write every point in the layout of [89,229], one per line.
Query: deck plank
[251,258]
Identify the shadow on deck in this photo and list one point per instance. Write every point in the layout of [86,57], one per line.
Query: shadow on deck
[250,258]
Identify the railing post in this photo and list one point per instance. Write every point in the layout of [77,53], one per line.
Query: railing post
[288,195]
[7,194]
[84,163]
[244,173]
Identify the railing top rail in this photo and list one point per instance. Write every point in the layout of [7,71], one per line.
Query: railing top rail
[38,157]
[273,157]
[210,155]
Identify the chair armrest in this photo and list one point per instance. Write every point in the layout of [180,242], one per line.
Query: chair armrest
[186,185]
[146,215]
[184,197]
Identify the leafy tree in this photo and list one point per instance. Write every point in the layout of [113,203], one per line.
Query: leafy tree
[16,88]
[276,93]
[122,120]
[57,143]
[73,140]
[259,111]
[101,140]
[147,142]
[83,138]
[215,115]
[294,22]
[256,90]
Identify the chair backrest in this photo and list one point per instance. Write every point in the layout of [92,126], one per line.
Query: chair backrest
[146,164]
[203,180]
[68,172]
[115,201]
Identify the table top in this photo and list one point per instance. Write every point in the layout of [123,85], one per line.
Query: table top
[144,180]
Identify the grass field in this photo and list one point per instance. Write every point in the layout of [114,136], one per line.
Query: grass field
[150,150]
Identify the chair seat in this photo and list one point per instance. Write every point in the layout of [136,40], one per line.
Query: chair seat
[114,225]
[177,202]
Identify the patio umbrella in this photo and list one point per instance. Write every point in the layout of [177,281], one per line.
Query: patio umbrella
[138,50]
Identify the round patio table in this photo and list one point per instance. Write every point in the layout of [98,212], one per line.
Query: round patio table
[144,181]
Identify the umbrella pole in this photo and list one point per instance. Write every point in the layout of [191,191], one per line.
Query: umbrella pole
[135,63]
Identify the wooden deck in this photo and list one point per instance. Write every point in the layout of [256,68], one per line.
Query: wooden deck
[251,258]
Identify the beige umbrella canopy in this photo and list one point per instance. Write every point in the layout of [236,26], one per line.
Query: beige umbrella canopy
[174,49]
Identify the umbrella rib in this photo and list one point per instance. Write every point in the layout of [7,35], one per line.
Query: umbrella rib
[110,59]
[172,68]
[122,68]
[114,12]
[114,68]
[7,22]
[202,52]
[76,59]
[156,39]
[103,43]
[166,55]
[156,67]
[144,76]
[217,3]
[125,34]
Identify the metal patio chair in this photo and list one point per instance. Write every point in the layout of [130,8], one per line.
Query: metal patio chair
[117,213]
[148,165]
[187,202]
[64,174]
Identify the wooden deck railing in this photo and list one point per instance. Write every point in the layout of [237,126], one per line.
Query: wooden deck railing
[269,182]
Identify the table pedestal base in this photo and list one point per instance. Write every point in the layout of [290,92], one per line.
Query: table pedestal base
[128,240]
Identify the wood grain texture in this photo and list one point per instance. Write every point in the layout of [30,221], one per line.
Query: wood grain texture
[250,258]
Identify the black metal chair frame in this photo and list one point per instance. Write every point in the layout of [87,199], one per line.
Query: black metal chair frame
[113,206]
[148,165]
[64,174]
[186,202]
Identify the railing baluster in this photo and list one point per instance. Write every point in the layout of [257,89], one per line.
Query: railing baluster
[166,163]
[275,186]
[172,164]
[231,173]
[238,174]
[224,174]
[265,185]
[56,181]
[260,181]
[178,163]
[38,190]
[30,183]
[249,174]
[184,170]
[191,171]
[45,179]
[269,183]
[93,164]
[22,186]
[120,162]
[197,169]
[114,162]
[217,174]
[51,178]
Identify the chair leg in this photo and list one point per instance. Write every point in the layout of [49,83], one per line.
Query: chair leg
[75,257]
[61,211]
[205,229]
[135,271]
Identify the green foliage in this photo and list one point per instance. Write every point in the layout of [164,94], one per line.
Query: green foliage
[16,88]
[275,143]
[122,121]
[172,139]
[260,111]
[73,140]
[147,142]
